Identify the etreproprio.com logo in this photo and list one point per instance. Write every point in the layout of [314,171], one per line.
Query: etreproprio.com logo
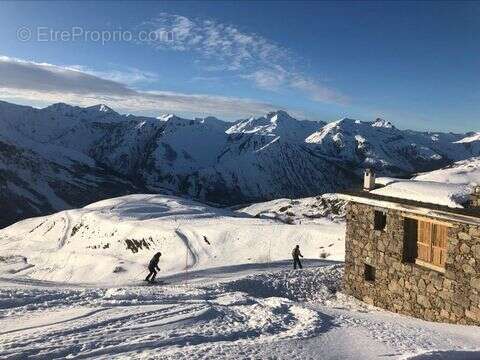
[77,33]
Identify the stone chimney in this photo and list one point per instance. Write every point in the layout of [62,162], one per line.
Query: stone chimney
[475,197]
[368,180]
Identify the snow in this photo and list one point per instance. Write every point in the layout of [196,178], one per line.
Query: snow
[451,195]
[239,312]
[450,186]
[277,124]
[226,288]
[461,172]
[112,240]
[381,145]
[71,283]
[470,138]
[379,122]
[300,211]
[229,163]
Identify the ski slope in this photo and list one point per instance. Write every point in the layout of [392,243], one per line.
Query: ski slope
[250,311]
[111,241]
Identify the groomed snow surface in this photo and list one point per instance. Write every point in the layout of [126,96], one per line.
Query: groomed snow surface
[255,311]
[71,287]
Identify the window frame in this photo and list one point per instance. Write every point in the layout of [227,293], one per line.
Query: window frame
[379,214]
[436,247]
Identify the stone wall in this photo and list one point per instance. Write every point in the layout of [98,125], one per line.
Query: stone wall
[407,288]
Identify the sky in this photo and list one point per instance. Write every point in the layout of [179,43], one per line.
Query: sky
[413,63]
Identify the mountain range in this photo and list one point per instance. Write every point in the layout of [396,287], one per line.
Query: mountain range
[65,156]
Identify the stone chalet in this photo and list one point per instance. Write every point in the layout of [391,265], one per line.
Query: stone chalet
[415,258]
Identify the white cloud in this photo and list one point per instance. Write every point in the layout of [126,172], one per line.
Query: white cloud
[316,91]
[269,79]
[128,75]
[224,47]
[41,82]
[27,75]
[276,78]
[223,44]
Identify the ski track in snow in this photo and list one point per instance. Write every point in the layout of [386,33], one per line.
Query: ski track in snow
[189,246]
[271,313]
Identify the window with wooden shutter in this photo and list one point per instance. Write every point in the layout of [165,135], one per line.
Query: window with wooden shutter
[426,242]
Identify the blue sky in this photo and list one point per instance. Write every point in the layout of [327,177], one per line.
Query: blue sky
[415,64]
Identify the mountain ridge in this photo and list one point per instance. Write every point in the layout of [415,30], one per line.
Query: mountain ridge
[63,152]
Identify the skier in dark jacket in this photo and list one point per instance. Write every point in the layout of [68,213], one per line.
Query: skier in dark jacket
[153,267]
[296,257]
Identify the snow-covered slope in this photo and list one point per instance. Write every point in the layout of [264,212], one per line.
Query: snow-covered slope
[261,311]
[112,240]
[299,211]
[63,152]
[461,172]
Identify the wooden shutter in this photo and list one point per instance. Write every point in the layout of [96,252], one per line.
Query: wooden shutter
[432,243]
[439,244]
[424,241]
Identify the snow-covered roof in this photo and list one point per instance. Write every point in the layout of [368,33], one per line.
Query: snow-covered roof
[441,193]
[450,186]
[451,195]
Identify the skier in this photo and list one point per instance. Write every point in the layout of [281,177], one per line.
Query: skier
[296,257]
[153,267]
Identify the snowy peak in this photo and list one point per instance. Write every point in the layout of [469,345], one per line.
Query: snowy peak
[347,127]
[60,108]
[279,115]
[194,127]
[334,129]
[277,124]
[173,121]
[214,122]
[102,108]
[379,122]
[380,145]
[165,117]
[98,112]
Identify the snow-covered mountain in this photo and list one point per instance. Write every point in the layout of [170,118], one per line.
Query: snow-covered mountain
[64,156]
[380,145]
[277,124]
